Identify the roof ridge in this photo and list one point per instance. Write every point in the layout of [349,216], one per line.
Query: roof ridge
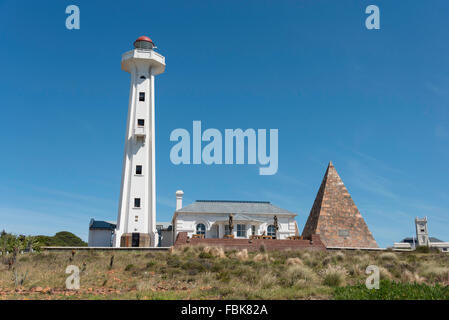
[235,201]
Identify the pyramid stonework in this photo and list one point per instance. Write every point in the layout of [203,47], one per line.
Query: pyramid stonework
[335,217]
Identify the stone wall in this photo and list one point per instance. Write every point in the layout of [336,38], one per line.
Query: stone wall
[313,243]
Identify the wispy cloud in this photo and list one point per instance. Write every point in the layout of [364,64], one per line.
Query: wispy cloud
[369,180]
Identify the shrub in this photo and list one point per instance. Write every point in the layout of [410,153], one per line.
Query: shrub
[205,255]
[261,257]
[305,255]
[214,252]
[436,273]
[426,249]
[174,261]
[355,270]
[334,276]
[242,255]
[267,280]
[388,257]
[408,276]
[390,290]
[195,266]
[384,273]
[340,256]
[224,276]
[129,267]
[295,273]
[293,261]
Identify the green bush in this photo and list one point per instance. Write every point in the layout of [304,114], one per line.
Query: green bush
[61,239]
[390,290]
[425,249]
[129,267]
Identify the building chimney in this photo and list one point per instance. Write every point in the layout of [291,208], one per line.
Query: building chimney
[179,195]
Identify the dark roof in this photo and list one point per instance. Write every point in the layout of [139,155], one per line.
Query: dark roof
[413,239]
[96,224]
[235,207]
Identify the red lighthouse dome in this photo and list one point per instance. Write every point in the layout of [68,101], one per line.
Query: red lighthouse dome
[144,42]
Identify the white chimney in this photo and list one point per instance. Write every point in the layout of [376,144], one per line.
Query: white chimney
[179,195]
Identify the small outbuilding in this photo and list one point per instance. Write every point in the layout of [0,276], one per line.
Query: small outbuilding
[100,233]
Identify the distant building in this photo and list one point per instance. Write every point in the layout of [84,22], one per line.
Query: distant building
[335,217]
[210,219]
[422,234]
[165,233]
[101,233]
[422,239]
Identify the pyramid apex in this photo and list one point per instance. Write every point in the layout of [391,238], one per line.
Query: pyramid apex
[330,164]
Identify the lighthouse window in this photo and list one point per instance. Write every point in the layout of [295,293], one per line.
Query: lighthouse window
[141,96]
[140,122]
[138,169]
[136,202]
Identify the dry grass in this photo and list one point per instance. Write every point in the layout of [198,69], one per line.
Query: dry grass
[334,276]
[211,273]
[388,256]
[293,261]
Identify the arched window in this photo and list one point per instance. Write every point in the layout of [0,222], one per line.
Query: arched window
[142,77]
[271,231]
[201,229]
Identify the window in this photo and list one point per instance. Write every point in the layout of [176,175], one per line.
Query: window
[253,230]
[139,170]
[227,231]
[141,122]
[201,229]
[141,96]
[136,202]
[136,218]
[271,231]
[241,230]
[142,77]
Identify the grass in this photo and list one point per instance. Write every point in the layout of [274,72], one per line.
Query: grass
[390,290]
[211,273]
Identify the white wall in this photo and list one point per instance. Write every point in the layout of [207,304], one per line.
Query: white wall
[186,222]
[166,238]
[99,238]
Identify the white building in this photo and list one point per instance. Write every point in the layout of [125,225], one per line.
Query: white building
[422,239]
[101,233]
[211,219]
[136,223]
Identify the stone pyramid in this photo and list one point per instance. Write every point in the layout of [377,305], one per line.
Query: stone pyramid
[335,217]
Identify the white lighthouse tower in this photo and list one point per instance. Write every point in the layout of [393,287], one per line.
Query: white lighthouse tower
[136,223]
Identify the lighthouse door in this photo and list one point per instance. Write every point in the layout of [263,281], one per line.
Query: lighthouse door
[135,239]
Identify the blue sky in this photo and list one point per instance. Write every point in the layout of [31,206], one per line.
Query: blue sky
[375,102]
